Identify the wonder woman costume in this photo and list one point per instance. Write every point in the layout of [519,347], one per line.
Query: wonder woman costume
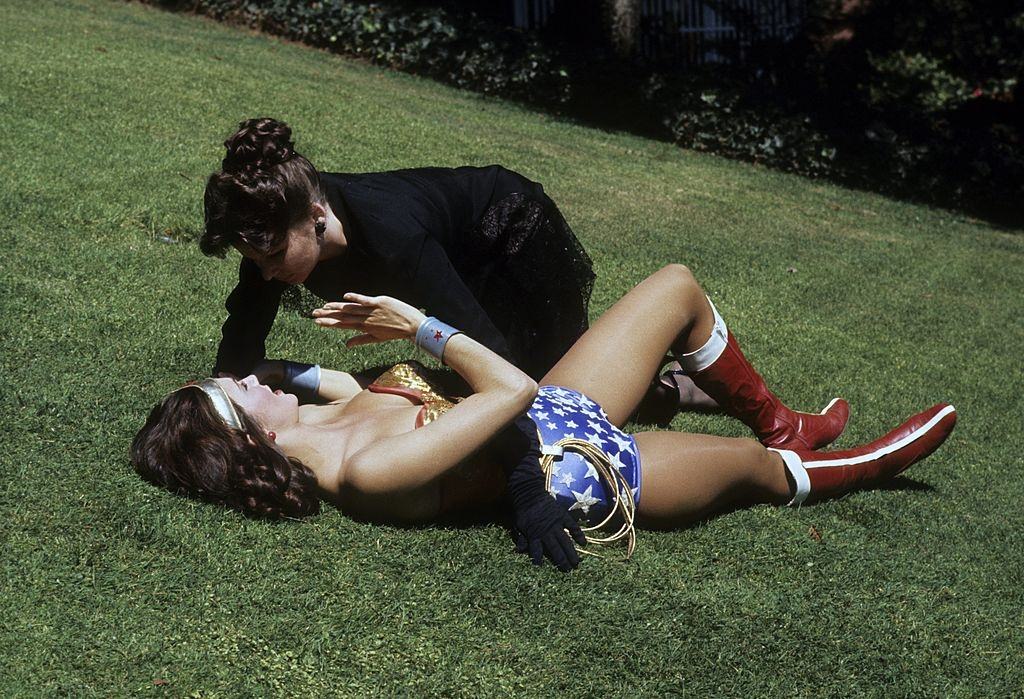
[566,420]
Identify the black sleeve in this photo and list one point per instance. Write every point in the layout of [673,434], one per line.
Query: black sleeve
[438,288]
[509,182]
[252,307]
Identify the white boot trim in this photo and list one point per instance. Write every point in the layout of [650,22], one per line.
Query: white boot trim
[704,357]
[829,406]
[895,446]
[799,473]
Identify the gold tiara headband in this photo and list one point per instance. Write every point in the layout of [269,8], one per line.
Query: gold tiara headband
[221,403]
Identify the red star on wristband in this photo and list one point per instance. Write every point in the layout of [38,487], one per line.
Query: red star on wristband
[438,335]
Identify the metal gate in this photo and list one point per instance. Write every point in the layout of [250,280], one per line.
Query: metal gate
[694,31]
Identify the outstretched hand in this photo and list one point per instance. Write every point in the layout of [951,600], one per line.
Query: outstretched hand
[376,318]
[544,528]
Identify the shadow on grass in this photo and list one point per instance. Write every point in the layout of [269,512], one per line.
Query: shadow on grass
[903,483]
[861,514]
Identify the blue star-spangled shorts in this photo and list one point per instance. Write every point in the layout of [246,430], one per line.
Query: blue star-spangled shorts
[561,412]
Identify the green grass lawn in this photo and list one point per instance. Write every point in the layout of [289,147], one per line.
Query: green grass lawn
[111,117]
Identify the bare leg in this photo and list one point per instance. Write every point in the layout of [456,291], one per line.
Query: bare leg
[690,396]
[615,360]
[687,477]
[671,392]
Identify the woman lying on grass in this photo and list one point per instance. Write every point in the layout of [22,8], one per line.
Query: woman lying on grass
[399,452]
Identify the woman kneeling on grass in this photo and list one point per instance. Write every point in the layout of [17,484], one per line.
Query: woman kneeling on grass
[399,452]
[483,248]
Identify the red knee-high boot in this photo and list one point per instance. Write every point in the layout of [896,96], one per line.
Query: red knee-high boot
[818,475]
[720,370]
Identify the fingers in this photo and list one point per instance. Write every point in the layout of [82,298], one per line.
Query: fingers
[563,553]
[521,545]
[556,553]
[336,307]
[573,527]
[570,553]
[342,323]
[358,340]
[536,552]
[556,544]
[351,301]
[359,298]
[342,315]
[345,313]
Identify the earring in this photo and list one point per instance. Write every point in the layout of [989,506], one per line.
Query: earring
[272,435]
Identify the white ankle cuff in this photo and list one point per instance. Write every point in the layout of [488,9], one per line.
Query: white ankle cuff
[796,469]
[704,357]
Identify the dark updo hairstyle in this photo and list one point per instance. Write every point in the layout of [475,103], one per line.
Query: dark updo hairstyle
[186,447]
[262,189]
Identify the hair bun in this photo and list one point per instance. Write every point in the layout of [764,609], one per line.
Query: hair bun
[258,145]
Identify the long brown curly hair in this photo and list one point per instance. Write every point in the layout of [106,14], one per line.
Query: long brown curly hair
[187,448]
[262,189]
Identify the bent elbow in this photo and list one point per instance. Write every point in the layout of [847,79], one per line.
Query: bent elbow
[525,391]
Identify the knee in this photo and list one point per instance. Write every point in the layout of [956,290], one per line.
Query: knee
[681,278]
[765,473]
[753,454]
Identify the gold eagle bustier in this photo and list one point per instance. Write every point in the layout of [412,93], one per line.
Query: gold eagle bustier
[405,380]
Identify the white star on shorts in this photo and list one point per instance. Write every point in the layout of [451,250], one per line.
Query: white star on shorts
[622,442]
[625,495]
[617,461]
[584,500]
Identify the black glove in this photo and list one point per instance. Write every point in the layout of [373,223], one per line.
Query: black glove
[541,522]
[542,529]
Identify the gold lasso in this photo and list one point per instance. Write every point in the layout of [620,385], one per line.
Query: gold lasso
[624,506]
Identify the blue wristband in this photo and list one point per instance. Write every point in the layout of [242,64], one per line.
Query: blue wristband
[302,379]
[433,335]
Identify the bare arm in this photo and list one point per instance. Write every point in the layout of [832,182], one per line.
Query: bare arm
[501,392]
[338,385]
[334,385]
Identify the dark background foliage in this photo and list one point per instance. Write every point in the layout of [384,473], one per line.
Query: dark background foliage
[462,49]
[915,98]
